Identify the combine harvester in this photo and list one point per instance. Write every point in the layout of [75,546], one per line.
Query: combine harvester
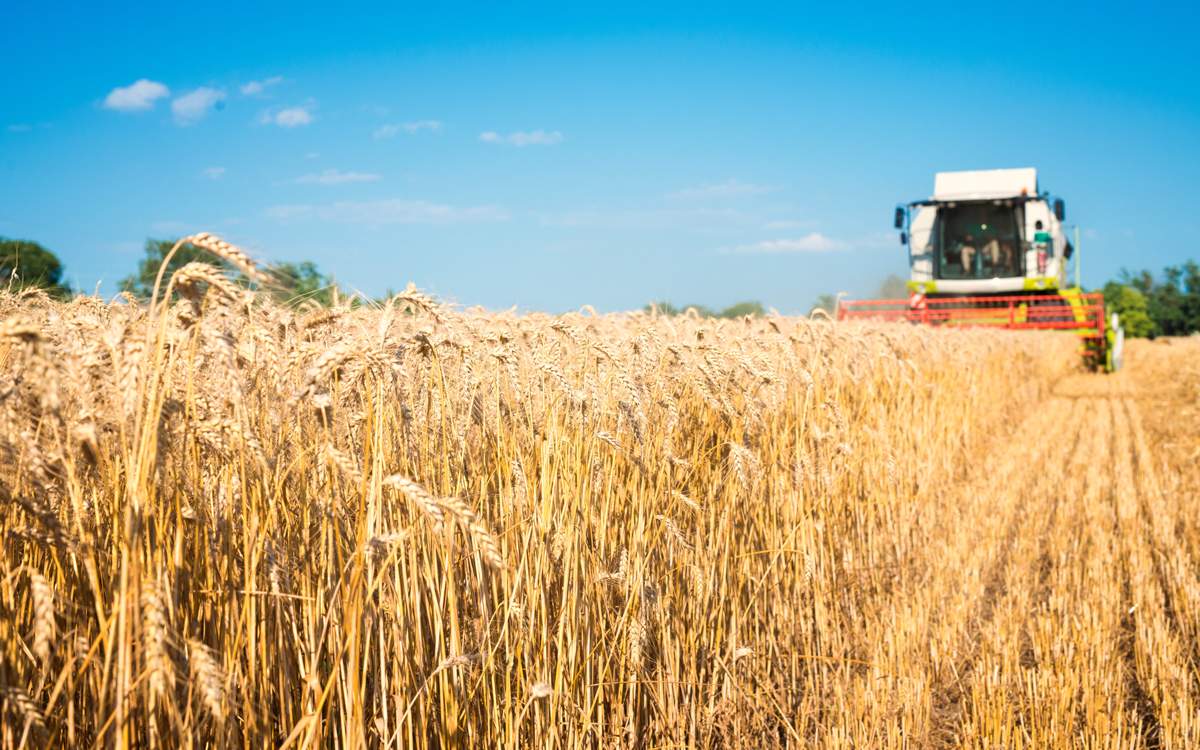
[989,249]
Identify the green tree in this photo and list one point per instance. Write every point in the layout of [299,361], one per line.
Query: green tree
[291,283]
[1173,303]
[826,302]
[141,283]
[664,308]
[669,308]
[1187,279]
[297,282]
[893,287]
[25,264]
[740,309]
[733,311]
[1130,304]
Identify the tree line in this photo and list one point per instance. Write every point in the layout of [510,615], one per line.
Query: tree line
[25,264]
[737,310]
[1149,305]
[1164,305]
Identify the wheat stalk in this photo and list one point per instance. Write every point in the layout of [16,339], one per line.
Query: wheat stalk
[676,530]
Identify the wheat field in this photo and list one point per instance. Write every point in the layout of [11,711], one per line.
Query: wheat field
[232,523]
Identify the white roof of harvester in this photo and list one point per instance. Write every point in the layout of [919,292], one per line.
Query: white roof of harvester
[982,184]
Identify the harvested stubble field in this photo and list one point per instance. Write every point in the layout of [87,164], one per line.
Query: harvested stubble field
[231,523]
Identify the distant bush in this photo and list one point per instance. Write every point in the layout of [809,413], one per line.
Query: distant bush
[1130,304]
[1149,305]
[291,283]
[25,264]
[752,307]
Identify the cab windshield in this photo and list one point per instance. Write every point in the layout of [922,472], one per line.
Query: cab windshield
[978,241]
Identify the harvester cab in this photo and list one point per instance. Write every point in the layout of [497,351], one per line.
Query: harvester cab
[989,248]
[986,232]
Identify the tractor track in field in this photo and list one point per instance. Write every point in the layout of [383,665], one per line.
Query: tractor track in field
[1057,603]
[1050,537]
[951,700]
[1149,725]
[1147,482]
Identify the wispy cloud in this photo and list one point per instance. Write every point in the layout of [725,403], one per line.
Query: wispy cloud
[336,177]
[813,242]
[169,226]
[391,130]
[125,247]
[523,137]
[19,127]
[214,173]
[194,105]
[379,213]
[254,88]
[690,218]
[288,117]
[137,96]
[782,224]
[728,189]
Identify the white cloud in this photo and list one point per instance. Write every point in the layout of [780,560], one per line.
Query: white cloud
[214,173]
[389,211]
[678,218]
[126,247]
[535,138]
[523,138]
[254,88]
[336,177]
[814,242]
[786,224]
[194,105]
[727,189]
[169,226]
[287,211]
[291,117]
[875,241]
[391,130]
[137,96]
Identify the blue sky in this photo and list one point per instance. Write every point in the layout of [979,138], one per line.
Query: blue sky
[550,157]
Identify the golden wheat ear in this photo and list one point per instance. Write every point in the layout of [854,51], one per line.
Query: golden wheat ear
[232,254]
